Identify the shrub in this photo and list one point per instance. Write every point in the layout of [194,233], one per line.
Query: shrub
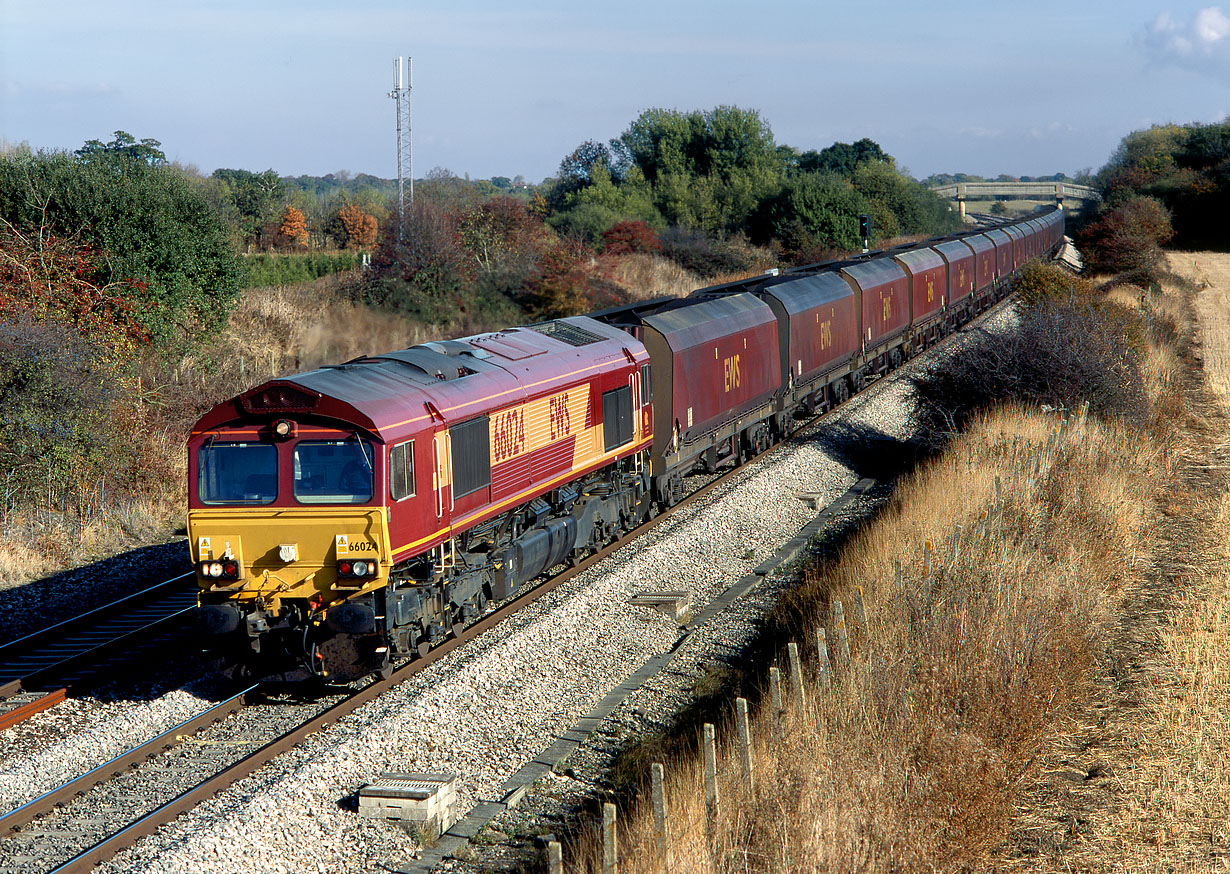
[628,237]
[701,254]
[54,395]
[153,226]
[269,269]
[1061,355]
[1128,236]
[1038,283]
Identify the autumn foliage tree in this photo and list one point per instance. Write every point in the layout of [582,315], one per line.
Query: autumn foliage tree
[628,237]
[355,229]
[293,230]
[1128,236]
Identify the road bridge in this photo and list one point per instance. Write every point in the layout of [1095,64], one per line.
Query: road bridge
[1060,192]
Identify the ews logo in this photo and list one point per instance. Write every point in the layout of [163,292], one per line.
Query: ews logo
[826,334]
[731,369]
[561,419]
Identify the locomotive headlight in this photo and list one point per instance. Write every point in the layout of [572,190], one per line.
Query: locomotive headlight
[283,429]
[360,568]
[214,568]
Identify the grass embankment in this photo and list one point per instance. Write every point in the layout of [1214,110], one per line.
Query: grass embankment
[974,661]
[1159,727]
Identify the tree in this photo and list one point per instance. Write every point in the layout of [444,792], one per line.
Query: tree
[1127,236]
[358,229]
[841,158]
[150,225]
[824,205]
[256,197]
[706,169]
[628,237]
[124,148]
[293,229]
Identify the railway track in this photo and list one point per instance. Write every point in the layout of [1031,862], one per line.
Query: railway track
[37,671]
[176,752]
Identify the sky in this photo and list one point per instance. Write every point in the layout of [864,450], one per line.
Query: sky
[507,89]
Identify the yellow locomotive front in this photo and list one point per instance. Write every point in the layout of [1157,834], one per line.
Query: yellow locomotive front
[290,540]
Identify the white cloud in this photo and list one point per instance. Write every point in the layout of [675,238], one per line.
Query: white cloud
[1203,43]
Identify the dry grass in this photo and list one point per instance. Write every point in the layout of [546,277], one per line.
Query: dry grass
[966,665]
[1210,274]
[1156,731]
[645,277]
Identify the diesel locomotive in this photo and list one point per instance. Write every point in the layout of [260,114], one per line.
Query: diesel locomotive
[349,516]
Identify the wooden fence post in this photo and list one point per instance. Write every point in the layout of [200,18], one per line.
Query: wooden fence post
[796,677]
[927,556]
[657,777]
[555,858]
[610,854]
[860,610]
[711,787]
[775,695]
[744,731]
[822,659]
[843,642]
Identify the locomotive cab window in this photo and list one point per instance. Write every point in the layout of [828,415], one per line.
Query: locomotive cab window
[471,442]
[646,384]
[333,471]
[401,471]
[237,473]
[617,417]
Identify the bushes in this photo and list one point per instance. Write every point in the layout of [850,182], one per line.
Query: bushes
[54,395]
[1127,237]
[269,269]
[701,254]
[155,229]
[1037,284]
[1062,354]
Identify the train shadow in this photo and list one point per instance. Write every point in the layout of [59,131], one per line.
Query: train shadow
[869,452]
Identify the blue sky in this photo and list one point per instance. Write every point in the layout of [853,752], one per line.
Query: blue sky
[506,89]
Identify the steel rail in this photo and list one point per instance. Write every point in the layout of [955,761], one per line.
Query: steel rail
[26,813]
[55,649]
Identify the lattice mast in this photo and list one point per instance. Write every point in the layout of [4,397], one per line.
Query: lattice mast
[405,143]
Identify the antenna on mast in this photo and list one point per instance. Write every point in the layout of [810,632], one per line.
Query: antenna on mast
[405,146]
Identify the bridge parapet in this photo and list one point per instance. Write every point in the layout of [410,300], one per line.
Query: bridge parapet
[1057,191]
